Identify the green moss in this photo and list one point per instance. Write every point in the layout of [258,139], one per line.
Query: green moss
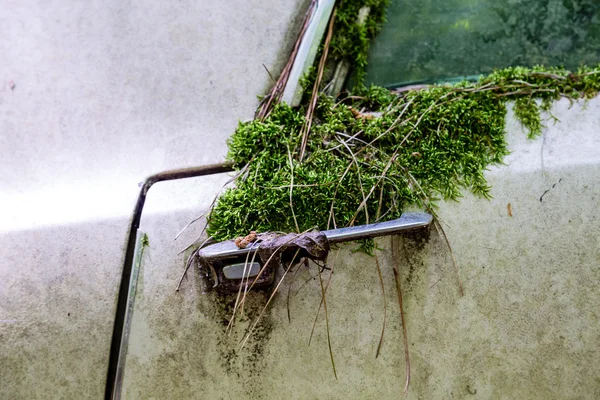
[536,88]
[420,147]
[528,112]
[351,38]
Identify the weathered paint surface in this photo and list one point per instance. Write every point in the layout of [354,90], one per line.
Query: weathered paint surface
[107,93]
[527,327]
[94,97]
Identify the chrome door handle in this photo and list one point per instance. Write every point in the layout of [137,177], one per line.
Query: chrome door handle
[407,222]
[226,262]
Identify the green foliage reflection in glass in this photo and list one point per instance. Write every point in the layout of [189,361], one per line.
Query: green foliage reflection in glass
[432,40]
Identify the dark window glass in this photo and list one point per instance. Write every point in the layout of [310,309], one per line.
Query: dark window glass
[428,41]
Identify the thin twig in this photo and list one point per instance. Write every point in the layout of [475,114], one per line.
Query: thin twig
[346,98]
[378,213]
[420,118]
[550,75]
[321,303]
[354,137]
[589,73]
[188,225]
[274,95]
[266,264]
[362,191]
[424,199]
[384,305]
[526,92]
[248,279]
[402,319]
[296,186]
[317,84]
[269,72]
[290,290]
[364,202]
[441,231]
[211,207]
[524,83]
[190,261]
[331,214]
[323,296]
[476,88]
[395,123]
[193,243]
[268,302]
[291,188]
[237,299]
[310,277]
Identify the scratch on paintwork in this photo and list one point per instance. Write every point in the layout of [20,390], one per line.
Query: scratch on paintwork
[549,189]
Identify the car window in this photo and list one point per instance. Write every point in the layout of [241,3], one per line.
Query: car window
[429,41]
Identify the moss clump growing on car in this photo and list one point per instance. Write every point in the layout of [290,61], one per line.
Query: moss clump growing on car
[371,155]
